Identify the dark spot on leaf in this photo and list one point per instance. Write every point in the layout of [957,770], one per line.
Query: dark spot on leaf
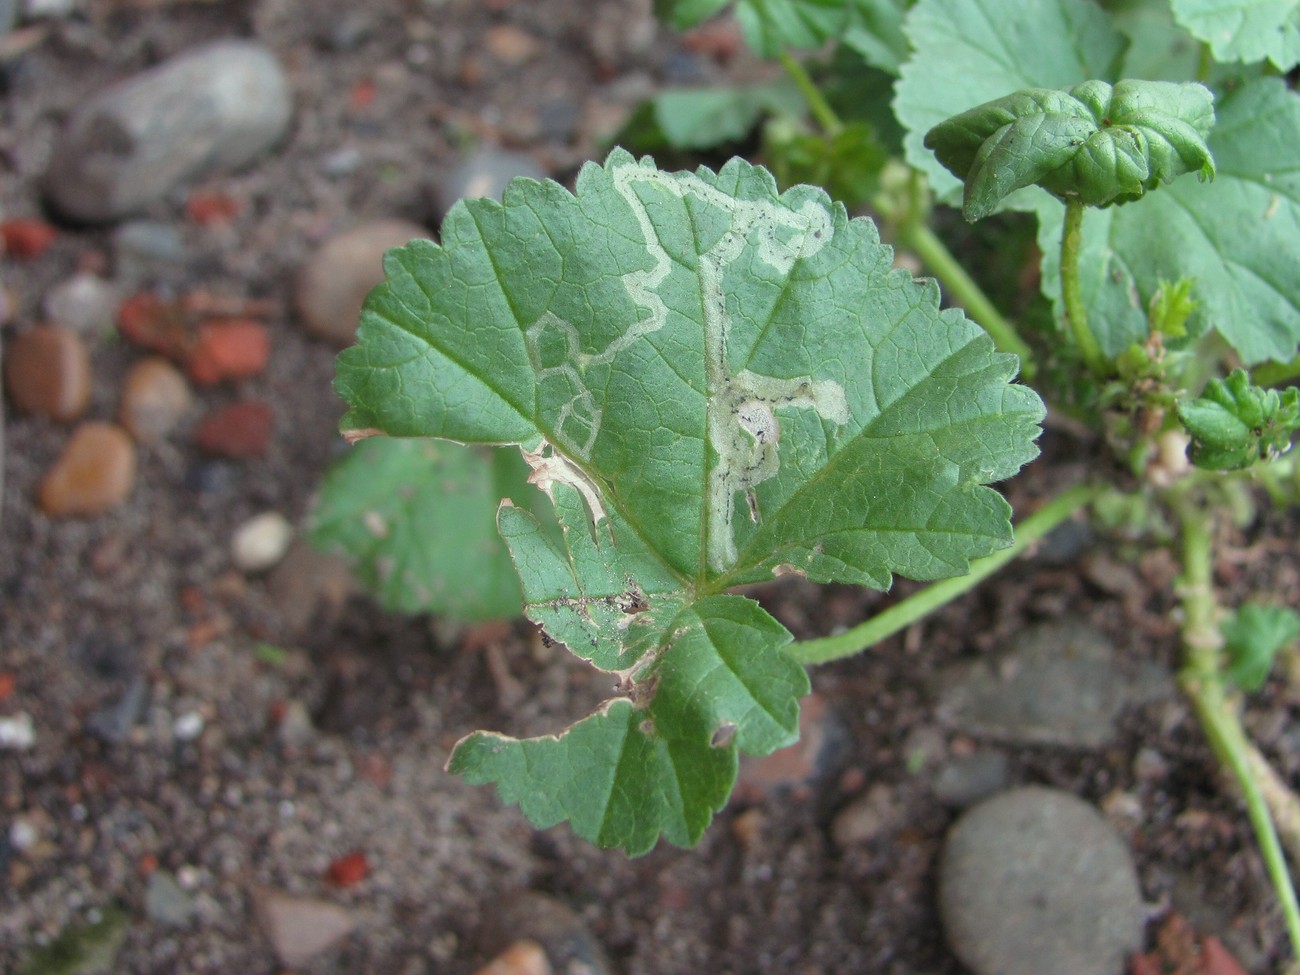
[723,735]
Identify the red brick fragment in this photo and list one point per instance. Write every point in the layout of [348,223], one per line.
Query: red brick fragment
[239,430]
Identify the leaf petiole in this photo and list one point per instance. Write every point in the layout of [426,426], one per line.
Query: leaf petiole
[1076,313]
[817,104]
[919,605]
[1202,681]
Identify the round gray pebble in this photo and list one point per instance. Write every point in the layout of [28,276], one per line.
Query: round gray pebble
[1035,882]
[485,173]
[211,109]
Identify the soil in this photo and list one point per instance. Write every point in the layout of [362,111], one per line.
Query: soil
[146,595]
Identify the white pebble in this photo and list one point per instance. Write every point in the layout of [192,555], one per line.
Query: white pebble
[261,542]
[22,835]
[17,733]
[188,726]
[84,303]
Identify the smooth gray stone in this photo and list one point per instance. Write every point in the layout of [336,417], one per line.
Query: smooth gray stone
[1035,882]
[1059,683]
[964,781]
[211,109]
[485,173]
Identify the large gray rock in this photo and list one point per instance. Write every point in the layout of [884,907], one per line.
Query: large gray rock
[1035,882]
[211,109]
[1059,683]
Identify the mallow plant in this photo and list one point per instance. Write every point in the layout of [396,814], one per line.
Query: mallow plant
[676,384]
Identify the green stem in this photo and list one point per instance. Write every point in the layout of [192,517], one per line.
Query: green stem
[915,607]
[1275,373]
[917,236]
[817,103]
[1203,682]
[1076,314]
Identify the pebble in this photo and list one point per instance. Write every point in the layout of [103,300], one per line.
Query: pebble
[26,237]
[241,429]
[85,303]
[229,349]
[511,45]
[300,928]
[968,779]
[17,732]
[335,280]
[188,726]
[867,817]
[213,108]
[141,245]
[530,916]
[1034,880]
[113,723]
[8,15]
[261,542]
[47,372]
[1060,683]
[155,396]
[523,957]
[166,902]
[95,472]
[306,582]
[485,173]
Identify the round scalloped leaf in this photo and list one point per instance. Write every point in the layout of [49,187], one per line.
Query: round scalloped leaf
[715,383]
[1245,30]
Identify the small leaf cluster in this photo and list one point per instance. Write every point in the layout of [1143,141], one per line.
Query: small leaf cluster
[1253,638]
[1233,423]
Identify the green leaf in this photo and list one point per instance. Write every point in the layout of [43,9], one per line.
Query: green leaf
[1253,637]
[967,52]
[637,770]
[703,118]
[1238,238]
[417,521]
[1095,143]
[1233,424]
[715,384]
[771,26]
[683,14]
[875,31]
[847,164]
[1245,30]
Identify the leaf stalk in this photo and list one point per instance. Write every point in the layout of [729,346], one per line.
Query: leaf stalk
[919,605]
[817,104]
[1202,680]
[1076,314]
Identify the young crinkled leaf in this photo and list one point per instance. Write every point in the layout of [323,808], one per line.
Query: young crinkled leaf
[967,52]
[1237,238]
[1096,143]
[715,383]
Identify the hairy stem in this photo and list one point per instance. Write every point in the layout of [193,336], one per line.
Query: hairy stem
[1076,314]
[817,103]
[1202,680]
[919,605]
[917,236]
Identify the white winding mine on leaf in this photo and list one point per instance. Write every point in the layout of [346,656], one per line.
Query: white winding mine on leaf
[742,425]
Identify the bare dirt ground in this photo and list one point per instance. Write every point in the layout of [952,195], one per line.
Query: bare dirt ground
[145,599]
